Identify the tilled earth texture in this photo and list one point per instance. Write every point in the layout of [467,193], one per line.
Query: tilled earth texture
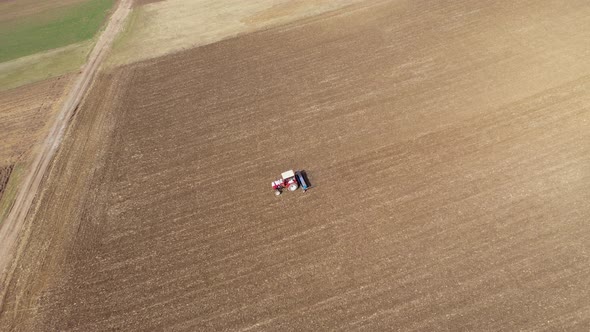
[448,143]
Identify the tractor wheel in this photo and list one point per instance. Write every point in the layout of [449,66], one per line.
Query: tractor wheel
[277,192]
[293,186]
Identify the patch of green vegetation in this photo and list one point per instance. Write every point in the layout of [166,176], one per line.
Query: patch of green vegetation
[52,29]
[10,191]
[42,66]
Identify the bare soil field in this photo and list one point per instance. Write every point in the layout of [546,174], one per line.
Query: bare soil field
[447,143]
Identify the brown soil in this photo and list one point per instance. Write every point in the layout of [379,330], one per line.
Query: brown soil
[449,149]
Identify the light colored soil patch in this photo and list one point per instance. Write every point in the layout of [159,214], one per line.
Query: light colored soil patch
[25,116]
[165,27]
[44,65]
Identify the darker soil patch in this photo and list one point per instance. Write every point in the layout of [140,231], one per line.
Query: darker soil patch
[5,172]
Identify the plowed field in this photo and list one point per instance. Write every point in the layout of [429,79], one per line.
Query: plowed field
[449,148]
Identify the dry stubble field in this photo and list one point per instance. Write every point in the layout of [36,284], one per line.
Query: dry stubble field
[448,144]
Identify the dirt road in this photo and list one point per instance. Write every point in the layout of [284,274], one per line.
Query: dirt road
[448,145]
[13,224]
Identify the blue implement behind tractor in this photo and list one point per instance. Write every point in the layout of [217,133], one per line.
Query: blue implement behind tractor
[300,175]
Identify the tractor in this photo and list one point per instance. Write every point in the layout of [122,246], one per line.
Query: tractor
[290,180]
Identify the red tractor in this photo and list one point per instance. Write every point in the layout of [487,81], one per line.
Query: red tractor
[290,180]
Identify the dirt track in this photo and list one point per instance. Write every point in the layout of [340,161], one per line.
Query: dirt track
[449,149]
[11,227]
